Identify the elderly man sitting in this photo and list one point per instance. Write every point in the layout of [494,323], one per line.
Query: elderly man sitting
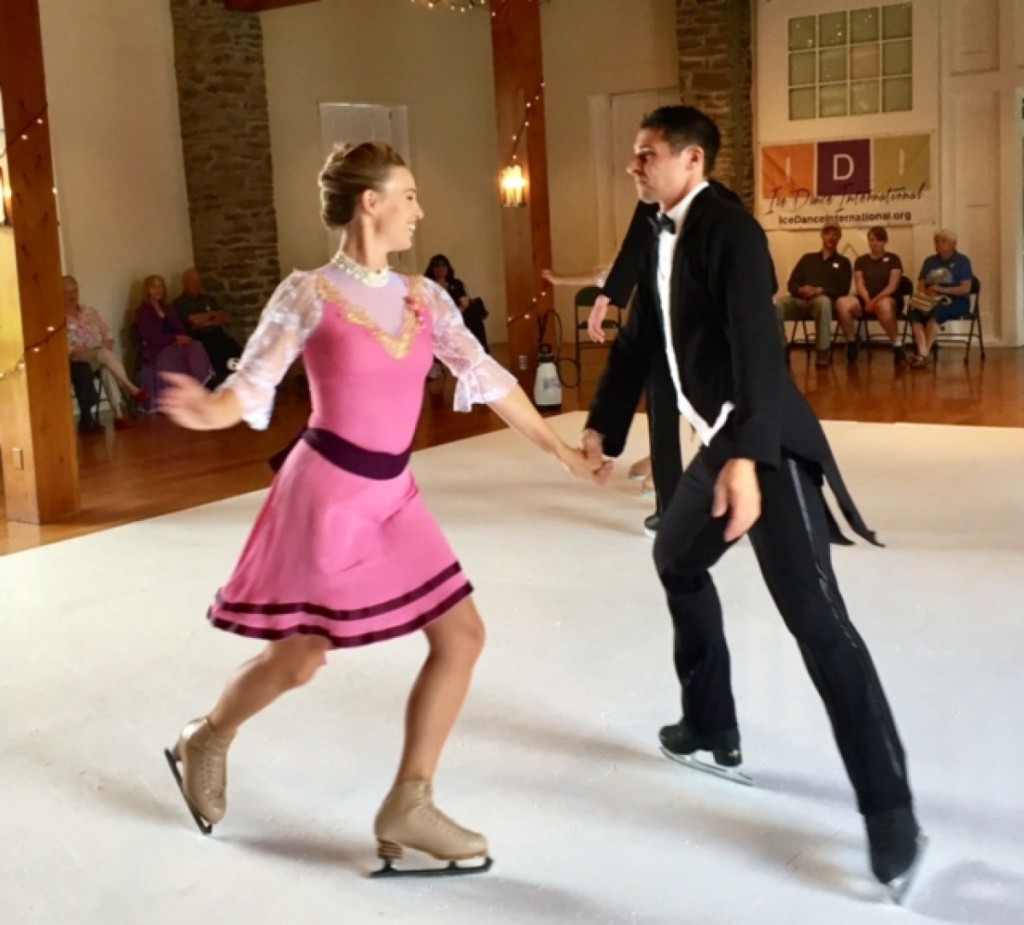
[943,294]
[207,323]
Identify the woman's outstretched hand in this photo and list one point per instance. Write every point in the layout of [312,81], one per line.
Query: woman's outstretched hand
[187,403]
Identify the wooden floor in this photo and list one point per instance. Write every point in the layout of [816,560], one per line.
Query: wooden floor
[158,468]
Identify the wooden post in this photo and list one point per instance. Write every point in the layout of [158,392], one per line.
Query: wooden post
[526,229]
[37,432]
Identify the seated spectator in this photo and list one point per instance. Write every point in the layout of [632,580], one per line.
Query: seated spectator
[943,294]
[818,279]
[876,280]
[85,394]
[91,344]
[440,270]
[207,323]
[166,347]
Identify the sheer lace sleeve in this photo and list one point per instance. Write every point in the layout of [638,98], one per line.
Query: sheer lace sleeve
[291,315]
[480,378]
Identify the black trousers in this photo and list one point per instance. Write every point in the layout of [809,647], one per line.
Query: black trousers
[221,347]
[791,542]
[663,433]
[84,387]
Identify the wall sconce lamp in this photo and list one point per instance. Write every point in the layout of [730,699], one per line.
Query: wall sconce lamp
[513,186]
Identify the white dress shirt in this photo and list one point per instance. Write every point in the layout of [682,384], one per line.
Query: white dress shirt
[666,256]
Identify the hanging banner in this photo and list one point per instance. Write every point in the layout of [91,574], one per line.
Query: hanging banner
[852,182]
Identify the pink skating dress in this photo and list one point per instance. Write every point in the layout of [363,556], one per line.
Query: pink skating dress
[344,546]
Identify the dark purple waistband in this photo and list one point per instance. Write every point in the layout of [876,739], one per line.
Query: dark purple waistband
[352,458]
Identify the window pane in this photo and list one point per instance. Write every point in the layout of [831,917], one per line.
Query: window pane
[832,29]
[803,103]
[864,61]
[832,100]
[897,94]
[802,68]
[863,97]
[801,33]
[897,58]
[864,25]
[897,21]
[831,65]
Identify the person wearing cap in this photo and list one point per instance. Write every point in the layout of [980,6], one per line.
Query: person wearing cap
[817,280]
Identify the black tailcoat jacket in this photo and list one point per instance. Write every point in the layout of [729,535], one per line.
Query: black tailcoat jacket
[727,347]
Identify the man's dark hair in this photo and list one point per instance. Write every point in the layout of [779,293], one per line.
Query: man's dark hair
[684,126]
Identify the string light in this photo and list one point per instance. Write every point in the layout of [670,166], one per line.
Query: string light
[22,133]
[513,180]
[16,137]
[455,6]
[51,332]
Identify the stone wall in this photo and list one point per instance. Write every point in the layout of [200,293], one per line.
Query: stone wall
[716,75]
[225,133]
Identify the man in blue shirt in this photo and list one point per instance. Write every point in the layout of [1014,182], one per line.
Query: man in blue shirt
[945,276]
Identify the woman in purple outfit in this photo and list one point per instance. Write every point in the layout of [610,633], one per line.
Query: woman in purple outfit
[166,346]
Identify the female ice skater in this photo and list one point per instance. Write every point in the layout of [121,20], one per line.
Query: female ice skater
[344,552]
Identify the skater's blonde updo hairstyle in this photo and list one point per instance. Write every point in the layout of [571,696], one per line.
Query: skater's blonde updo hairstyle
[349,172]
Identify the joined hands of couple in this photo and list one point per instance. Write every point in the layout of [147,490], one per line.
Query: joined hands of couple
[736,494]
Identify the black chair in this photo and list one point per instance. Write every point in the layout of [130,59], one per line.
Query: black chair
[974,316]
[583,303]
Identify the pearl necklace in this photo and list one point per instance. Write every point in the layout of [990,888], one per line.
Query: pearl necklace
[372,278]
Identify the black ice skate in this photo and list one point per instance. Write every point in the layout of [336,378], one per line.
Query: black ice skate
[679,743]
[896,846]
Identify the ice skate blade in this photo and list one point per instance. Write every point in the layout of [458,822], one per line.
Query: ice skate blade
[454,869]
[689,761]
[204,826]
[900,888]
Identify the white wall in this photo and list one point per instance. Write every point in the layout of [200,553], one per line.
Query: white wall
[117,147]
[967,77]
[773,126]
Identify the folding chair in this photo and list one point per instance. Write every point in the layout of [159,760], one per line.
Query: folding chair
[582,305]
[974,317]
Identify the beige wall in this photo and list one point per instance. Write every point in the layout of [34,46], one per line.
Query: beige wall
[117,146]
[439,64]
[117,141]
[592,49]
[435,62]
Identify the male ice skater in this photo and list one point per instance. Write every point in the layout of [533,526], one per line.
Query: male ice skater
[704,306]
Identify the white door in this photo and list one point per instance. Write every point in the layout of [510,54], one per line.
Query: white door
[352,123]
[614,121]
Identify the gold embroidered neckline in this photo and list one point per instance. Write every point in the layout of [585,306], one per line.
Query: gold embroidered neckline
[397,345]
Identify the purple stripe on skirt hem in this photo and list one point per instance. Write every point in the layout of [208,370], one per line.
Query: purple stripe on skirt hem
[360,613]
[346,642]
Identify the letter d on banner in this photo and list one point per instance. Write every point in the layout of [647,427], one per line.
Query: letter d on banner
[842,167]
